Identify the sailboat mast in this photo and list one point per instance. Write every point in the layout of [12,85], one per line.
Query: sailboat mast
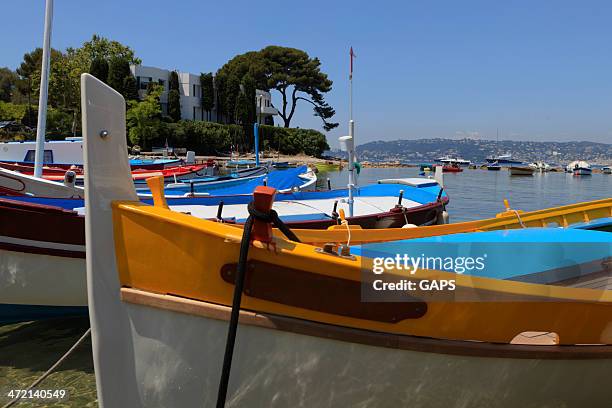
[351,149]
[44,88]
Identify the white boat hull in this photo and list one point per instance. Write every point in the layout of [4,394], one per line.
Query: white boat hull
[15,183]
[582,172]
[42,280]
[177,360]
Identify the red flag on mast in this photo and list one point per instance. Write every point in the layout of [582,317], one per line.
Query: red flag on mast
[352,54]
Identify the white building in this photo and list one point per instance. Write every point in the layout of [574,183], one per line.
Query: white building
[191,93]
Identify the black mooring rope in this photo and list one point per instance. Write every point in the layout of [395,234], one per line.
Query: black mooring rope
[269,217]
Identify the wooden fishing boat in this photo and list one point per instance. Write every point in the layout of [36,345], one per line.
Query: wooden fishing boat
[36,231]
[68,153]
[42,262]
[17,184]
[242,181]
[170,174]
[521,170]
[163,286]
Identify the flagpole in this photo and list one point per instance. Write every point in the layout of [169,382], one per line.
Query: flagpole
[44,87]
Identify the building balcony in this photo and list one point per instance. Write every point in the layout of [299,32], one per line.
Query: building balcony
[267,110]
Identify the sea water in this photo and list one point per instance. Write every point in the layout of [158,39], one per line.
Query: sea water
[476,194]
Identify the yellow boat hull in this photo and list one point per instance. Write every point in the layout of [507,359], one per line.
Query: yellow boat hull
[562,216]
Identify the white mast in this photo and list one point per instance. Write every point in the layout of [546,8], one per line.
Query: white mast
[348,142]
[44,87]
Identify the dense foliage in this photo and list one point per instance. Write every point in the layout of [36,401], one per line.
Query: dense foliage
[106,59]
[232,93]
[144,118]
[293,141]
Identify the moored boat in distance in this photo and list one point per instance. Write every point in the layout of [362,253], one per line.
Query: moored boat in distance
[540,166]
[521,170]
[494,166]
[503,159]
[453,168]
[450,160]
[579,168]
[606,170]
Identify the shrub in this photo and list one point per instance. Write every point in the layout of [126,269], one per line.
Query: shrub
[11,111]
[293,141]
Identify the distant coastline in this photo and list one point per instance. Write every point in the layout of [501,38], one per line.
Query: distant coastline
[476,150]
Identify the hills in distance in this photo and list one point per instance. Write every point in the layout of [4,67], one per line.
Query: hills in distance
[477,150]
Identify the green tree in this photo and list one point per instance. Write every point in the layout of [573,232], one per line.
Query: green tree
[241,114]
[174,97]
[100,48]
[298,78]
[174,105]
[291,72]
[173,81]
[144,118]
[208,93]
[249,88]
[232,91]
[8,84]
[130,88]
[118,70]
[29,73]
[99,69]
[220,82]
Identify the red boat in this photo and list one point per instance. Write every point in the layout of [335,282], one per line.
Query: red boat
[140,175]
[452,168]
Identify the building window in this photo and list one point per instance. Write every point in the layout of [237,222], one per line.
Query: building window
[143,82]
[194,110]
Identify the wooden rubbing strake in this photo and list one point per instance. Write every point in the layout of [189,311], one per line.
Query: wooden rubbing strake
[320,293]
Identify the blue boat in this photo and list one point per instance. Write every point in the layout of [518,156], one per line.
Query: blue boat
[243,182]
[154,163]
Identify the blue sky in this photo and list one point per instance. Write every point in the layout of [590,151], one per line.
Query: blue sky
[537,70]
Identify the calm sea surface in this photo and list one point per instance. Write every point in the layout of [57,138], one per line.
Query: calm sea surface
[479,193]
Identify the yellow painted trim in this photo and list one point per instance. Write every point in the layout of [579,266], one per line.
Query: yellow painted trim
[156,185]
[562,216]
[172,253]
